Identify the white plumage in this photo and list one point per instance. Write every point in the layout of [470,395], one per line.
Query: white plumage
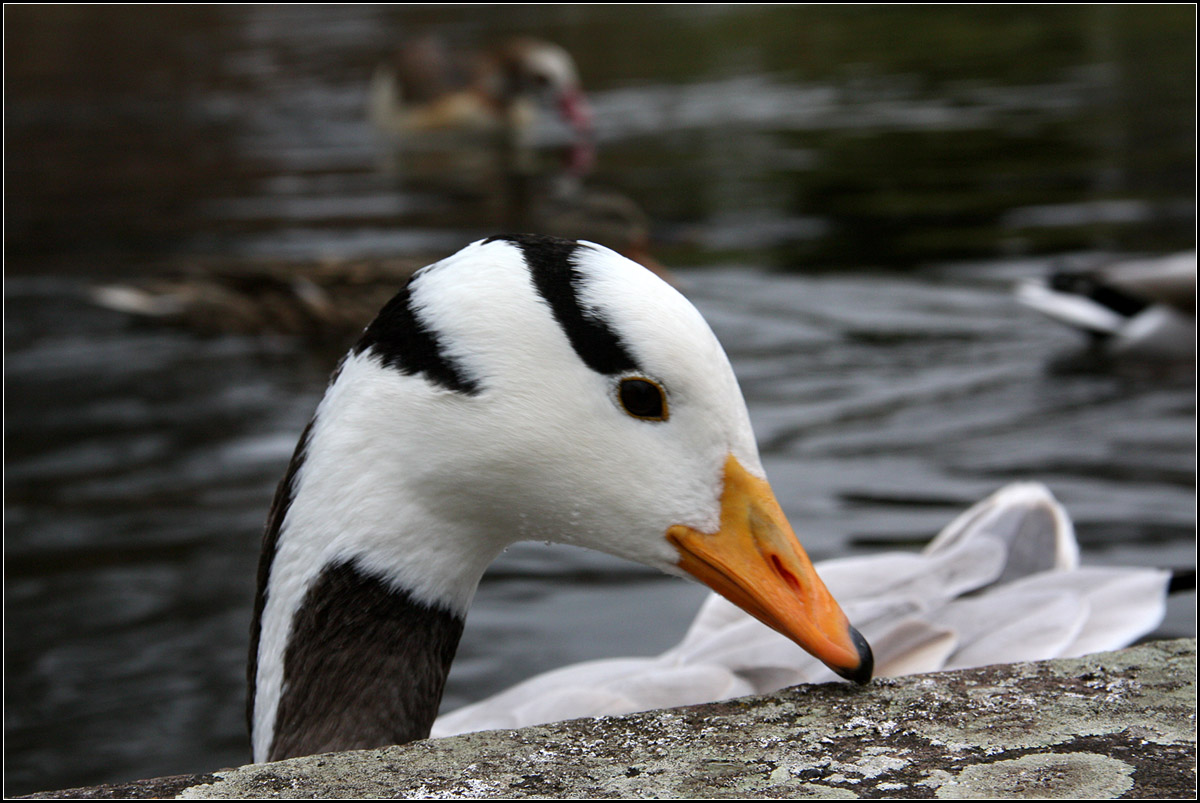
[1000,583]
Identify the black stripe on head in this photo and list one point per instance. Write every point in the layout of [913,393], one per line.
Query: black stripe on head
[399,338]
[556,278]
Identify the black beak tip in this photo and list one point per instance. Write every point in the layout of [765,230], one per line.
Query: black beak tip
[866,660]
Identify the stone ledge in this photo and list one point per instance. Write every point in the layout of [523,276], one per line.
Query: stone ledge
[1118,724]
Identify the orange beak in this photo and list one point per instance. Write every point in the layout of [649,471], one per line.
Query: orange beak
[755,561]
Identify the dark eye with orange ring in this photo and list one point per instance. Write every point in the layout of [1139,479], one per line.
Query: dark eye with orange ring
[642,398]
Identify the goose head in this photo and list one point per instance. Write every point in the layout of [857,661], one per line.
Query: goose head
[525,388]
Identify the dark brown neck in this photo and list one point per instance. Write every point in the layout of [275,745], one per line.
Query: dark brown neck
[365,666]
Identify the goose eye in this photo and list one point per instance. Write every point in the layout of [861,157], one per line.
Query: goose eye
[642,398]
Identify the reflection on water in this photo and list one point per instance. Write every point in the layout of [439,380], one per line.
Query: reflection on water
[140,461]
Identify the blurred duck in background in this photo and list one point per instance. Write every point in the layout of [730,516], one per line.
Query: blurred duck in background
[469,118]
[323,300]
[428,96]
[328,300]
[478,125]
[1138,308]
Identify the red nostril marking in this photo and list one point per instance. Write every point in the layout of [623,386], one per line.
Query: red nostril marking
[787,576]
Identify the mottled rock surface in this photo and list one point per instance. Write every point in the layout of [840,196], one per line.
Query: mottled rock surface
[1119,724]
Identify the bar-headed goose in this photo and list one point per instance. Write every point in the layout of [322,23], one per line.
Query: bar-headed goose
[525,388]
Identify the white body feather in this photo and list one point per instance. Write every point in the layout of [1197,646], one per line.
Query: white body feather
[1016,551]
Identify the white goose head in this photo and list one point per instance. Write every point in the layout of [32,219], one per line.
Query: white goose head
[524,388]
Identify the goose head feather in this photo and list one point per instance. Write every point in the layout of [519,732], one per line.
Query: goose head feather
[525,388]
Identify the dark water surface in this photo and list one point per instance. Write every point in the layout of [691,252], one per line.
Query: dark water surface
[905,166]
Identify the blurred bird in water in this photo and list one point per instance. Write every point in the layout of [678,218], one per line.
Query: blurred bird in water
[461,124]
[324,300]
[1137,308]
[427,97]
[328,300]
